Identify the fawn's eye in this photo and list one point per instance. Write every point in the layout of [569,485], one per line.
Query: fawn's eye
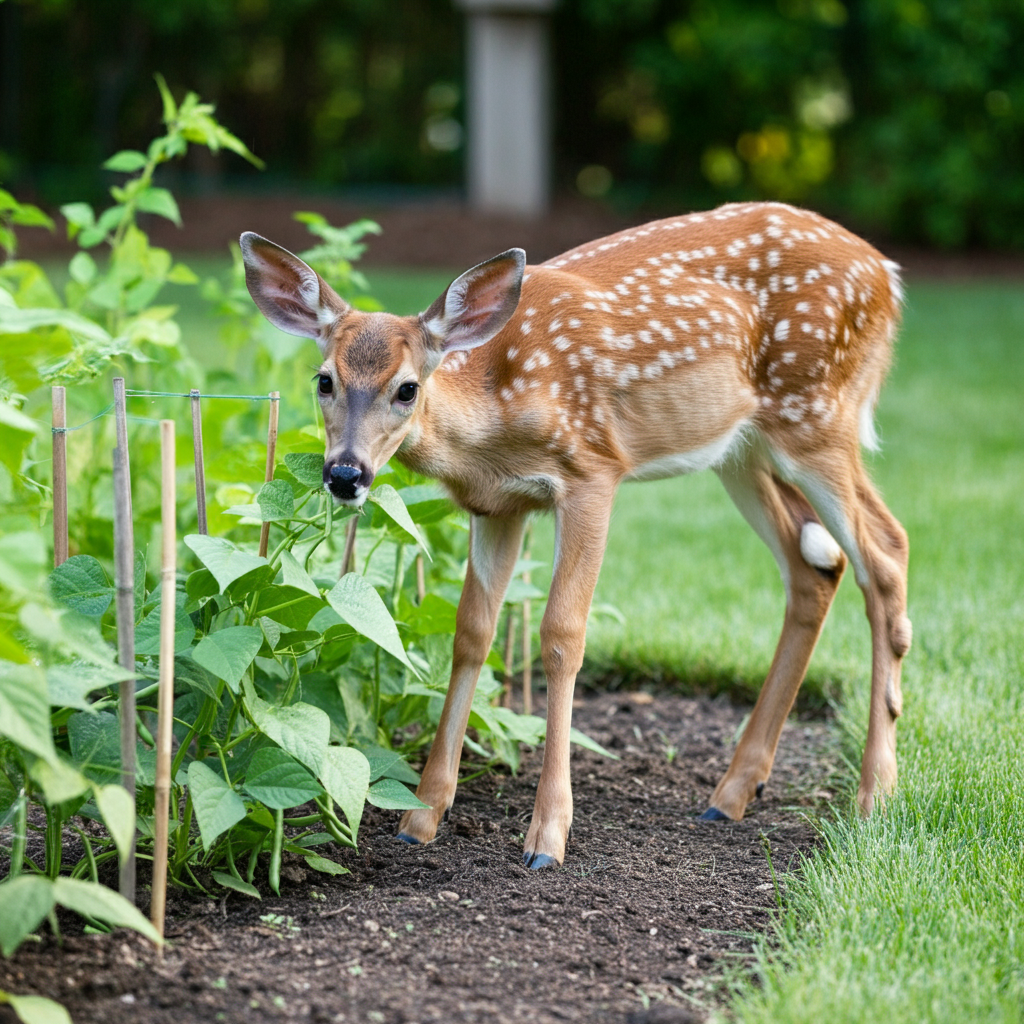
[407,392]
[325,385]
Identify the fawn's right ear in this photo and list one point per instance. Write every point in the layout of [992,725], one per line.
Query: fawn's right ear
[475,306]
[291,295]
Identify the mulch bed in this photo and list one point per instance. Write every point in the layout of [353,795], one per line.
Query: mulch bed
[446,234]
[649,913]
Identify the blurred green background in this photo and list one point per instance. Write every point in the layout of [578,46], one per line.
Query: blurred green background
[903,118]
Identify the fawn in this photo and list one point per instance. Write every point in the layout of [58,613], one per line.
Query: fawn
[751,340]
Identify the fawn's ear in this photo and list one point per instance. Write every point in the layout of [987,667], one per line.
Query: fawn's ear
[475,306]
[291,295]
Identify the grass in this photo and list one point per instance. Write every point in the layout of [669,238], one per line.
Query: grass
[918,914]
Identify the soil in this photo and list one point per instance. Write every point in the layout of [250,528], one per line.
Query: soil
[649,914]
[446,234]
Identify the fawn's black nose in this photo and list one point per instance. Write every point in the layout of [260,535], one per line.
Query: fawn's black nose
[346,481]
[344,474]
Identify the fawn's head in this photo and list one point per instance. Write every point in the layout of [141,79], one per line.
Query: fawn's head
[375,365]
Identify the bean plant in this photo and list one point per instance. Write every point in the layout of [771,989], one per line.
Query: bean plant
[300,694]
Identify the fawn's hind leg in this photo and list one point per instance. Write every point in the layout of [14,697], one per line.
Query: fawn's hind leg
[877,546]
[811,565]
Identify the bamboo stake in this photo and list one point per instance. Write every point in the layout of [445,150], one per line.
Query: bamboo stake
[421,580]
[510,648]
[275,401]
[349,557]
[165,703]
[197,452]
[124,560]
[121,431]
[60,477]
[527,635]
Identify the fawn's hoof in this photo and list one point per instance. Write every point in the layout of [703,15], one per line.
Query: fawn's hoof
[537,861]
[713,814]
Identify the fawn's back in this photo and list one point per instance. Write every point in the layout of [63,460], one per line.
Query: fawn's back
[651,352]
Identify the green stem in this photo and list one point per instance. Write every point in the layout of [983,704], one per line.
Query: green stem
[274,871]
[396,587]
[54,831]
[93,873]
[20,838]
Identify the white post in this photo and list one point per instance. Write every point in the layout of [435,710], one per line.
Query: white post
[508,105]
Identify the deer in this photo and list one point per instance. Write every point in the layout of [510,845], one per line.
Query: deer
[751,340]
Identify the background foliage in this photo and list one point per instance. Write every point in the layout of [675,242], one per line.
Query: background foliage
[901,117]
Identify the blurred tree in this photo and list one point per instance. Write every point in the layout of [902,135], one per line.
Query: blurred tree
[902,117]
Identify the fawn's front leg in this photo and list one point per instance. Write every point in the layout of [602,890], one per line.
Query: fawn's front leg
[493,549]
[581,533]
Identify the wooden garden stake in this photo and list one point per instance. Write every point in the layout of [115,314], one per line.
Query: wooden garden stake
[165,704]
[121,433]
[275,401]
[510,647]
[124,560]
[60,477]
[349,557]
[527,636]
[421,580]
[197,451]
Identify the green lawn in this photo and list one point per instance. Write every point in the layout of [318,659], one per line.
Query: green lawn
[917,915]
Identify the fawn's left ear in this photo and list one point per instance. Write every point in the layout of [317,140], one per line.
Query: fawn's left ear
[290,294]
[475,306]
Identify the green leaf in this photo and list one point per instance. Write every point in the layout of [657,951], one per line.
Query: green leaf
[362,608]
[70,685]
[82,584]
[216,804]
[296,576]
[90,899]
[391,795]
[147,632]
[78,215]
[227,653]
[345,775]
[24,902]
[389,764]
[58,781]
[519,591]
[127,161]
[36,1009]
[82,268]
[231,882]
[328,867]
[201,584]
[276,501]
[25,709]
[434,616]
[118,810]
[301,729]
[223,558]
[307,468]
[180,274]
[279,781]
[386,498]
[195,677]
[160,202]
[25,321]
[581,739]
[96,745]
[427,503]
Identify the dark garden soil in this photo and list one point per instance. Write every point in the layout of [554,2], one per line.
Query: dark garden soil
[649,912]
